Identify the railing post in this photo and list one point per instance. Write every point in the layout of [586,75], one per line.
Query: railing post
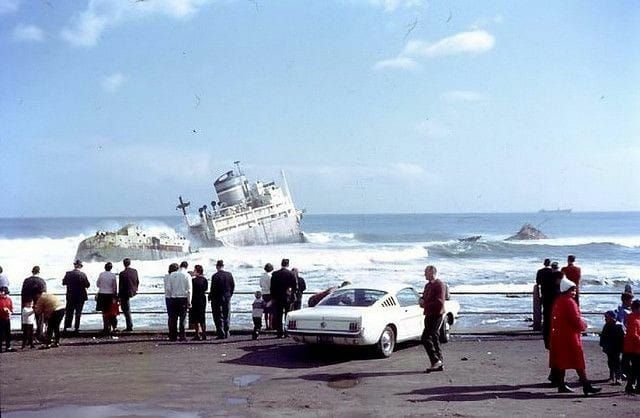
[537,309]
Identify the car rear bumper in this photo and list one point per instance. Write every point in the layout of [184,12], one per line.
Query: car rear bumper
[338,338]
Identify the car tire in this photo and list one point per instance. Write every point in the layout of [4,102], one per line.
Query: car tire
[445,331]
[387,342]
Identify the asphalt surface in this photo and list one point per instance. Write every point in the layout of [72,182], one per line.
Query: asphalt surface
[145,375]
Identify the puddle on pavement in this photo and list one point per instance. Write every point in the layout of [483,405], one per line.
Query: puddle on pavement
[246,380]
[103,411]
[237,401]
[343,381]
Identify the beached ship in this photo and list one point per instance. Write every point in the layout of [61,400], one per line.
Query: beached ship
[245,214]
[131,242]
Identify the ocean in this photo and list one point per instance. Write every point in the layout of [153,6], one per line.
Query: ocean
[364,248]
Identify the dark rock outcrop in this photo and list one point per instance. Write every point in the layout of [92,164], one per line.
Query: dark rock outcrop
[527,232]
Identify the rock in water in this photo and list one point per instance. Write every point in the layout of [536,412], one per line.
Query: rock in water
[527,232]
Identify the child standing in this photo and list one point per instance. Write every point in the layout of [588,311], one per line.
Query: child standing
[611,341]
[625,308]
[632,349]
[6,308]
[28,322]
[256,312]
[112,316]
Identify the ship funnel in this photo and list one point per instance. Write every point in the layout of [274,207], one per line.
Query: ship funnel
[230,189]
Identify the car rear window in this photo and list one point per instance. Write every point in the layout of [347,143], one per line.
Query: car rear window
[353,297]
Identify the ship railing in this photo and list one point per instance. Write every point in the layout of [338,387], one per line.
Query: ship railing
[527,317]
[230,221]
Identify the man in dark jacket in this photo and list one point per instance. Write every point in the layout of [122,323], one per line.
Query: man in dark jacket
[77,284]
[432,302]
[548,291]
[283,283]
[127,288]
[222,287]
[301,286]
[32,287]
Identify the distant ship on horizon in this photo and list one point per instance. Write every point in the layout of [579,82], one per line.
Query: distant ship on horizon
[558,210]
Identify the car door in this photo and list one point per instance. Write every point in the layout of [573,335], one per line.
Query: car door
[410,323]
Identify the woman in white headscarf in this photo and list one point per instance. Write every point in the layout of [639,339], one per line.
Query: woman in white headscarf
[565,345]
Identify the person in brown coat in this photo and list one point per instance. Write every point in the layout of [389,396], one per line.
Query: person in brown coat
[432,302]
[51,310]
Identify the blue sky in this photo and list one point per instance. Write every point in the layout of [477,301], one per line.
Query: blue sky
[370,106]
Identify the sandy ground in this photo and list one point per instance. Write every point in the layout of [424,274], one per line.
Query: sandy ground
[143,375]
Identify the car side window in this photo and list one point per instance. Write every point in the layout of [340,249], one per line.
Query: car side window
[408,297]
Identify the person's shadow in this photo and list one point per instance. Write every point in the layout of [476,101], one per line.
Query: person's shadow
[474,393]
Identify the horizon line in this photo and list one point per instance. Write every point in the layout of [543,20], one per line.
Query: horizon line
[334,214]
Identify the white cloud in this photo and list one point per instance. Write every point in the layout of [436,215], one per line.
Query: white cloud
[9,6]
[113,82]
[403,63]
[392,5]
[461,96]
[88,26]
[29,33]
[471,42]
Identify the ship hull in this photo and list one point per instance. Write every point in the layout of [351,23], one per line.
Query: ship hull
[96,249]
[284,230]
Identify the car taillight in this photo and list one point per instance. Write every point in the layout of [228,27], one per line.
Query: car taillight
[354,326]
[293,324]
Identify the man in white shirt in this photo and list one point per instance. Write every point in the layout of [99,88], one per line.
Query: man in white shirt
[107,284]
[178,297]
[265,287]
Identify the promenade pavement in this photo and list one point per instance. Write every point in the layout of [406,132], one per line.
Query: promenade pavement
[145,375]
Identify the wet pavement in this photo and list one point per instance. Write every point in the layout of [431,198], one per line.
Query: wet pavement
[140,376]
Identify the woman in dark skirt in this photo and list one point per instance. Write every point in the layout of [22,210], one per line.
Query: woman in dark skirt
[107,292]
[198,303]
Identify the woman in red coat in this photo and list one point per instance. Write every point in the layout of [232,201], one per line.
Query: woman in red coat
[565,345]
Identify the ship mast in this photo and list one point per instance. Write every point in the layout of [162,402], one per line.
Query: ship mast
[183,206]
[237,163]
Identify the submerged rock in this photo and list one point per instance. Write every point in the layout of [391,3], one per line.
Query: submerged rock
[527,232]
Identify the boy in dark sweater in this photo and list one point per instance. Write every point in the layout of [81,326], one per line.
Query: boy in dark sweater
[611,341]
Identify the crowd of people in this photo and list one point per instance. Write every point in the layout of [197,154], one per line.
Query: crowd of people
[185,294]
[563,325]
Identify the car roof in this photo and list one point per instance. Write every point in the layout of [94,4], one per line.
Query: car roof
[385,286]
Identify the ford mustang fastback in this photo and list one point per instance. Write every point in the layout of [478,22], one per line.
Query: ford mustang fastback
[379,315]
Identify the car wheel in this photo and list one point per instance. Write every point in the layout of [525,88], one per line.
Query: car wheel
[444,331]
[387,342]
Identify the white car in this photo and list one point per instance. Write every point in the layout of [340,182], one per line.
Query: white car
[380,315]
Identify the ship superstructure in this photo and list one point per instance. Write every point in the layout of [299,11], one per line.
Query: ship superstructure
[245,214]
[131,242]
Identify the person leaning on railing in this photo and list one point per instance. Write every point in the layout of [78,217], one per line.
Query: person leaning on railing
[51,310]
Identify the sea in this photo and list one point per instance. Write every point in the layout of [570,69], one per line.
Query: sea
[363,249]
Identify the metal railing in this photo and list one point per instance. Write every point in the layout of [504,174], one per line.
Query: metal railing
[452,293]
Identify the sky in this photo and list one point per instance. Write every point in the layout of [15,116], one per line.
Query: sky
[115,108]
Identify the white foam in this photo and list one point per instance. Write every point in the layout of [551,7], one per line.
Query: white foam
[632,241]
[330,237]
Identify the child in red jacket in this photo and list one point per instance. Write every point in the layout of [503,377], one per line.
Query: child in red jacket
[6,308]
[632,348]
